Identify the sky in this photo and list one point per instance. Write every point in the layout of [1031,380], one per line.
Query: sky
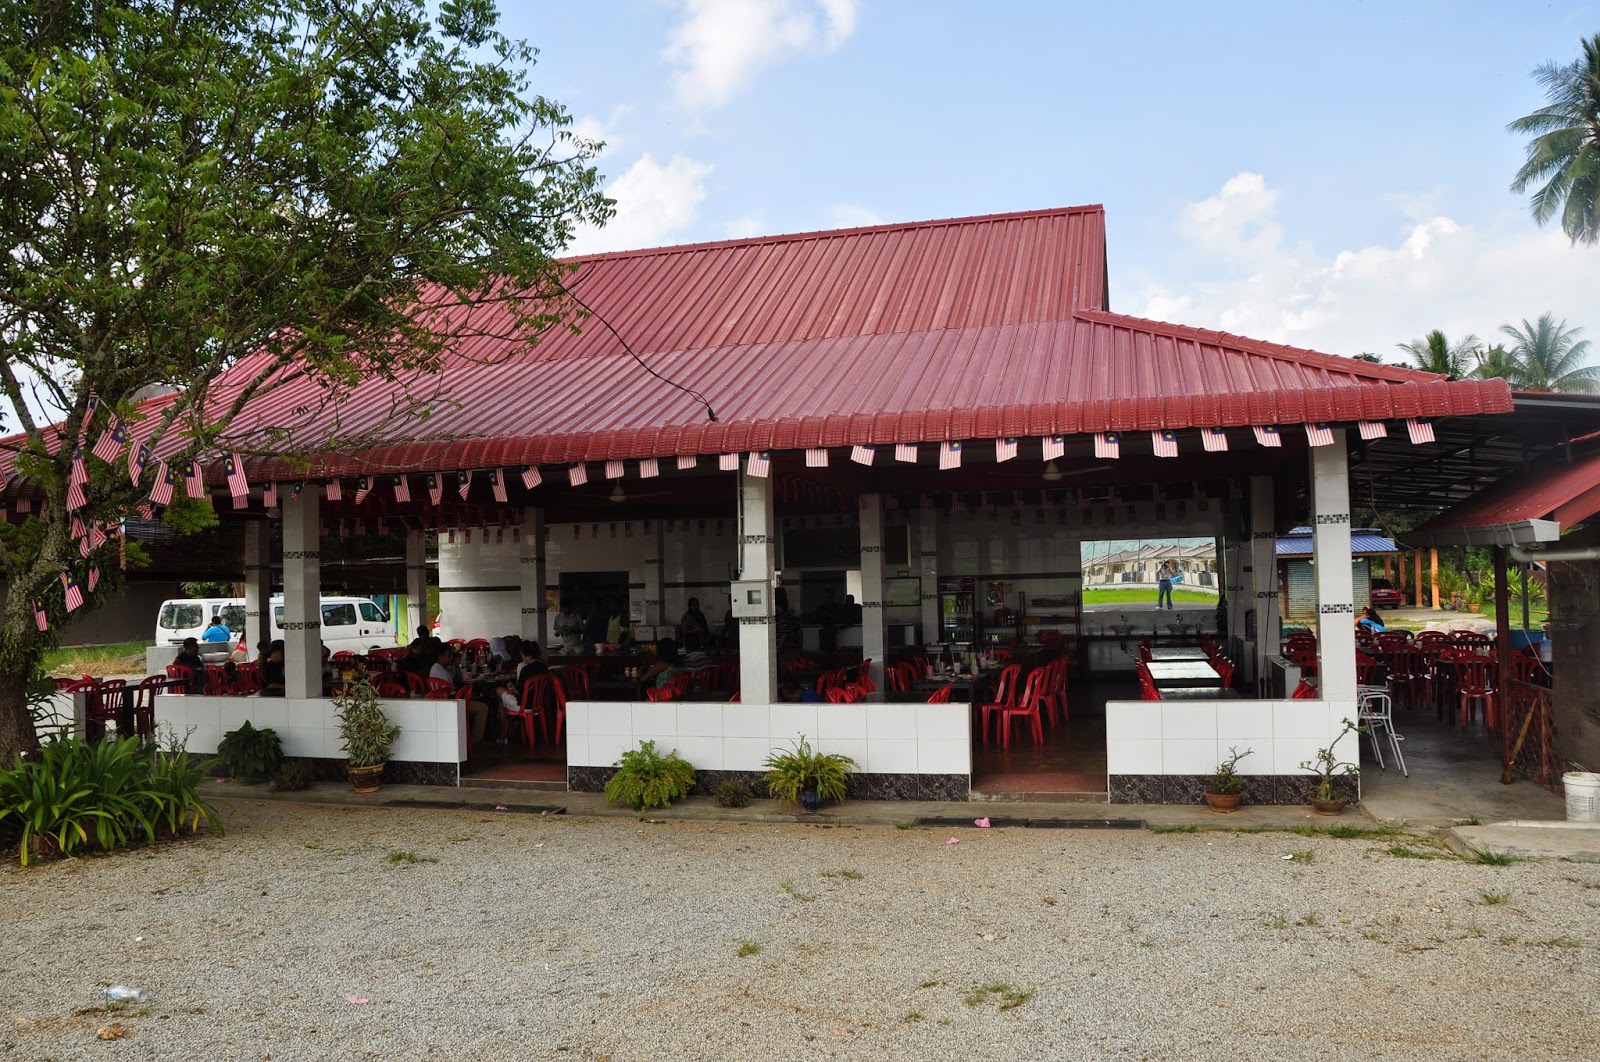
[1330,175]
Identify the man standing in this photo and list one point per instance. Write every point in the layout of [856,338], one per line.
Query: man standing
[1164,585]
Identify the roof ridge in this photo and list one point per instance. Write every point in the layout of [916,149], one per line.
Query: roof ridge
[793,237]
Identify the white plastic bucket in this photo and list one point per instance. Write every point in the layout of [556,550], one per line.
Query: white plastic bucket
[1583,796]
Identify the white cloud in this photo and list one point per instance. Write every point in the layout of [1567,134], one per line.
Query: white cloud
[853,216]
[739,228]
[1251,278]
[721,44]
[653,201]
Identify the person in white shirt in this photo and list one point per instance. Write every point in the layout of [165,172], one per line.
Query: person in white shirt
[477,712]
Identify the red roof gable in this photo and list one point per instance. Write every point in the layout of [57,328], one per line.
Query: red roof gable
[1562,492]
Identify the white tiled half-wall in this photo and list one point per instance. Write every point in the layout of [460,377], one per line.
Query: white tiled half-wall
[1193,737]
[430,731]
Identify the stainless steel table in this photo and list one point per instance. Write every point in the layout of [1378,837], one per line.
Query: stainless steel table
[1182,673]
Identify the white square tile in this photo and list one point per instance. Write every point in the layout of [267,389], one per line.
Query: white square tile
[1261,759]
[1133,756]
[263,713]
[1133,720]
[944,756]
[457,741]
[745,720]
[1300,719]
[1242,717]
[844,721]
[416,746]
[204,739]
[789,721]
[1288,755]
[891,756]
[892,722]
[944,722]
[1189,756]
[699,719]
[745,753]
[578,750]
[855,748]
[606,749]
[1188,721]
[610,718]
[704,753]
[657,720]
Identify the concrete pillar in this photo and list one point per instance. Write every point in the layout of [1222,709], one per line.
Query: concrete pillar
[928,569]
[416,582]
[1433,575]
[1502,621]
[874,635]
[1330,548]
[302,585]
[534,572]
[1263,581]
[1416,572]
[655,578]
[758,644]
[257,584]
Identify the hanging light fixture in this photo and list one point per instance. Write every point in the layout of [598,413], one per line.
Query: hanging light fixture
[1051,472]
[617,495]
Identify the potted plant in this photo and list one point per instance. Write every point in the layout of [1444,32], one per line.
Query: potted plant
[368,735]
[806,777]
[1327,767]
[1225,787]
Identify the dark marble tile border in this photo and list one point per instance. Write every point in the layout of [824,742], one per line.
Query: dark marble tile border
[865,786]
[395,772]
[1187,788]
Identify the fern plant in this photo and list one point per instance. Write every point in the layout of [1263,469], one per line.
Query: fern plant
[250,755]
[790,773]
[647,779]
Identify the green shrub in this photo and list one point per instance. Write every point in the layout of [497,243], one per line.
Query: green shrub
[175,789]
[368,735]
[295,774]
[647,779]
[791,773]
[734,793]
[248,754]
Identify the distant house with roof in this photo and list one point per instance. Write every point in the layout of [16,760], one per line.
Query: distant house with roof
[1371,554]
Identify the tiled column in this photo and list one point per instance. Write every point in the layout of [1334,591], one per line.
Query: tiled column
[1330,549]
[928,569]
[257,584]
[302,586]
[874,636]
[416,581]
[655,574]
[1263,581]
[535,620]
[758,642]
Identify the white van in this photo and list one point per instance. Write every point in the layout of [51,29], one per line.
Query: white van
[348,623]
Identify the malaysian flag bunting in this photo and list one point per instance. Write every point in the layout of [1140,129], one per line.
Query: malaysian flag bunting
[97,538]
[1319,435]
[1214,439]
[161,490]
[1267,435]
[906,452]
[269,496]
[73,592]
[80,536]
[950,455]
[1054,447]
[94,577]
[816,458]
[578,474]
[862,455]
[759,464]
[233,468]
[1421,431]
[76,499]
[402,488]
[435,488]
[138,459]
[334,490]
[75,528]
[687,461]
[1107,444]
[1374,429]
[531,477]
[463,483]
[193,481]
[614,470]
[649,468]
[146,511]
[728,462]
[90,408]
[1004,449]
[363,488]
[1165,442]
[112,440]
[295,488]
[39,618]
[499,485]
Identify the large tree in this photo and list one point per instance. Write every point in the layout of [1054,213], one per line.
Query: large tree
[290,190]
[1563,166]
[1498,363]
[1435,353]
[1551,357]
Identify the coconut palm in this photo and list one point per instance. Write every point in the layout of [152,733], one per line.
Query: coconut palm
[1552,357]
[1435,353]
[1564,156]
[1499,363]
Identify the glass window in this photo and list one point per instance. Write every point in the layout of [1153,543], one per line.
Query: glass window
[233,616]
[177,617]
[338,615]
[372,613]
[277,616]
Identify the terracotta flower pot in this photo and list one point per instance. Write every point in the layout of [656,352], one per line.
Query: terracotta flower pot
[365,779]
[1224,801]
[1334,806]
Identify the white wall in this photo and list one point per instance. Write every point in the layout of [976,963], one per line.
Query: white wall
[430,731]
[1193,737]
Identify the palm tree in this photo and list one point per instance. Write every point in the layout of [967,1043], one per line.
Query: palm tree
[1564,155]
[1551,356]
[1434,353]
[1499,363]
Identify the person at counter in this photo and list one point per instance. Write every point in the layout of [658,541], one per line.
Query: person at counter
[217,632]
[189,657]
[787,624]
[477,712]
[273,681]
[594,631]
[668,663]
[694,622]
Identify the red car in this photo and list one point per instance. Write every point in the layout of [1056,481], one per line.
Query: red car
[1384,595]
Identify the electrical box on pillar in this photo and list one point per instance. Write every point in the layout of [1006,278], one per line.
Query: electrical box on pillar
[751,599]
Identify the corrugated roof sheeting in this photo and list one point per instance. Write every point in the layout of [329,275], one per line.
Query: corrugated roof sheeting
[1568,494]
[1301,546]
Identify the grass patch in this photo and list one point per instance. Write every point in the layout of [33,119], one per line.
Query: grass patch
[803,897]
[748,947]
[399,856]
[1312,919]
[912,1017]
[1304,855]
[1008,997]
[1278,921]
[1132,596]
[1343,833]
[117,658]
[1555,942]
[1190,828]
[930,984]
[1489,857]
[1401,851]
[848,873]
[1585,883]
[905,825]
[1493,899]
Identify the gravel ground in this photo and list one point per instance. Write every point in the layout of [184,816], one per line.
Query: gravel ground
[516,937]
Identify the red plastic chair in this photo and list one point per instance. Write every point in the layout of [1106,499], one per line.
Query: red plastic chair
[838,695]
[247,678]
[941,695]
[418,683]
[1147,683]
[864,676]
[1005,696]
[217,681]
[440,690]
[1304,692]
[392,689]
[1474,682]
[1027,709]
[1053,693]
[530,709]
[1305,660]
[185,676]
[575,680]
[144,704]
[1224,669]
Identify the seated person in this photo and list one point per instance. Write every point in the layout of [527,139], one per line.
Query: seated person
[789,693]
[1371,620]
[189,657]
[694,654]
[217,631]
[511,695]
[416,660]
[668,663]
[477,712]
[272,676]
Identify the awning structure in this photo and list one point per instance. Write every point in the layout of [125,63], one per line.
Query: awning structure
[1529,506]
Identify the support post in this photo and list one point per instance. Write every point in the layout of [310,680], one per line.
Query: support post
[1433,575]
[416,581]
[1502,623]
[1330,543]
[302,600]
[257,584]
[874,636]
[928,570]
[1416,575]
[532,570]
[758,644]
[1264,572]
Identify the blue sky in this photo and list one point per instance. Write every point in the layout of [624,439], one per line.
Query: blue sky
[1327,174]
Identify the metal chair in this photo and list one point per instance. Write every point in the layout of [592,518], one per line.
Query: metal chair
[1376,712]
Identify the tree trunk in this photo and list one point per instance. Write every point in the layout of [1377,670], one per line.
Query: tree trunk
[17,733]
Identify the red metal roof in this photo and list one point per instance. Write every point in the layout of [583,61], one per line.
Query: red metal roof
[1565,493]
[957,329]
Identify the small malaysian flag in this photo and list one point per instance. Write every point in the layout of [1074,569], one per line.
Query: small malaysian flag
[112,440]
[161,491]
[687,461]
[1421,431]
[862,455]
[531,477]
[73,592]
[435,488]
[1004,449]
[402,488]
[649,468]
[759,464]
[76,499]
[1054,447]
[193,481]
[498,485]
[1214,439]
[269,496]
[1267,435]
[1165,442]
[728,462]
[75,529]
[334,490]
[950,454]
[1107,444]
[138,460]
[90,408]
[463,483]
[614,470]
[94,577]
[1373,429]
[40,620]
[1319,435]
[146,511]
[363,488]
[816,458]
[97,538]
[233,468]
[906,452]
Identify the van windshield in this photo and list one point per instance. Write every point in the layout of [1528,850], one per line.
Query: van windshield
[181,615]
[233,616]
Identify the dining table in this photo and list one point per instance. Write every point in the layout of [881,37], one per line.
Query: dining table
[1199,693]
[1177,674]
[1179,654]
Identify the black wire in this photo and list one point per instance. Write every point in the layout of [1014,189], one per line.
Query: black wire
[711,414]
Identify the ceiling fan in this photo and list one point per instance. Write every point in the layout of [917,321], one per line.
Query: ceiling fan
[618,495]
